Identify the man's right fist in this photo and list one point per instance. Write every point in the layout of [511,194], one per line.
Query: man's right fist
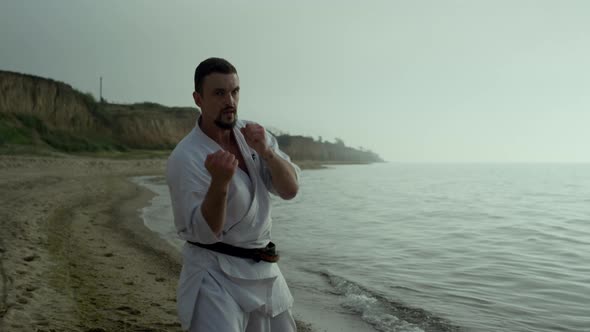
[221,165]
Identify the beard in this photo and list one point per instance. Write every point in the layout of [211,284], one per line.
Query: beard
[219,122]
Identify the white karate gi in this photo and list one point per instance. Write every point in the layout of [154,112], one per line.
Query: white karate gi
[214,286]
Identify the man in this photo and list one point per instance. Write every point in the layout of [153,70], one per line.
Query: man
[220,176]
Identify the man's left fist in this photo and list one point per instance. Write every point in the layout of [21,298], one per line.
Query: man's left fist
[255,136]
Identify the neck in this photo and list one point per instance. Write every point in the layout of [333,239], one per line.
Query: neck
[220,136]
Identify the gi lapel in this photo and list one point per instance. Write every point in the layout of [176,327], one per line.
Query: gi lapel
[245,150]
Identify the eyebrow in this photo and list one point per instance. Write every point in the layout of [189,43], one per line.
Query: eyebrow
[223,90]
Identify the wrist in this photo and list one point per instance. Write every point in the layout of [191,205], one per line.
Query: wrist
[267,154]
[220,186]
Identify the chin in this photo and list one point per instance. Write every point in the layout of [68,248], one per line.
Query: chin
[226,125]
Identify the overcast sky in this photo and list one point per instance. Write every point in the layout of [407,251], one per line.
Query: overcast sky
[436,80]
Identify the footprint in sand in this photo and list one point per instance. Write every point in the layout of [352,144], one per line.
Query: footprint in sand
[96,329]
[30,258]
[129,310]
[170,324]
[16,307]
[30,288]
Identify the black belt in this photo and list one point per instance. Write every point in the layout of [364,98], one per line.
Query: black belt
[267,254]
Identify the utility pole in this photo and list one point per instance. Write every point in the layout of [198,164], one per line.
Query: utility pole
[100,89]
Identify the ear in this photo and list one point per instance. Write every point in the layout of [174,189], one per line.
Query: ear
[197,98]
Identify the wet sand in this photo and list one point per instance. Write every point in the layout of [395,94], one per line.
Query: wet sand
[74,253]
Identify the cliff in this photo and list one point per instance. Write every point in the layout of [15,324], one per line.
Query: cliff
[307,148]
[36,111]
[57,104]
[39,111]
[148,125]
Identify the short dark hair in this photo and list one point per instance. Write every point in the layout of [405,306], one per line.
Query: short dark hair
[210,66]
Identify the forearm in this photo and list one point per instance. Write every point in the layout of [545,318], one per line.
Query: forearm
[214,205]
[284,177]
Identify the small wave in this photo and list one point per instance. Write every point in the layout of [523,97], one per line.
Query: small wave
[383,314]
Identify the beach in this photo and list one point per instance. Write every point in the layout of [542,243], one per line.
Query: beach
[74,252]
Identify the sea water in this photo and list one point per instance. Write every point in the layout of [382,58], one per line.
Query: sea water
[432,247]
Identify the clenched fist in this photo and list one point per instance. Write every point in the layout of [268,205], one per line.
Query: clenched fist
[221,165]
[255,136]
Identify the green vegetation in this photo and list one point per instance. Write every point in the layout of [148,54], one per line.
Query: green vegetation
[11,134]
[306,148]
[96,108]
[68,142]
[29,130]
[146,105]
[23,129]
[20,129]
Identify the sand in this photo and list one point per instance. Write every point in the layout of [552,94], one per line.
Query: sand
[74,253]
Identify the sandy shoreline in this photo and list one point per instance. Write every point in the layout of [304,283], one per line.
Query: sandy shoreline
[74,253]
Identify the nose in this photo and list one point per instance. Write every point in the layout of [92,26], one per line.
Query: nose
[230,100]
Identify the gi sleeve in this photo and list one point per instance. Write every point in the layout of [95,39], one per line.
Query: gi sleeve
[272,142]
[188,184]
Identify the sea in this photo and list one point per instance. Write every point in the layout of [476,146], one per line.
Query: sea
[431,247]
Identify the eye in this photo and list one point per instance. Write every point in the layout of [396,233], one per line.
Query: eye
[219,93]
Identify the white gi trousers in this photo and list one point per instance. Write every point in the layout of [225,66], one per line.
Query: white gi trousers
[217,311]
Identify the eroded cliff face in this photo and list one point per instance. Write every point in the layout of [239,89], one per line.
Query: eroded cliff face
[57,104]
[150,127]
[53,106]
